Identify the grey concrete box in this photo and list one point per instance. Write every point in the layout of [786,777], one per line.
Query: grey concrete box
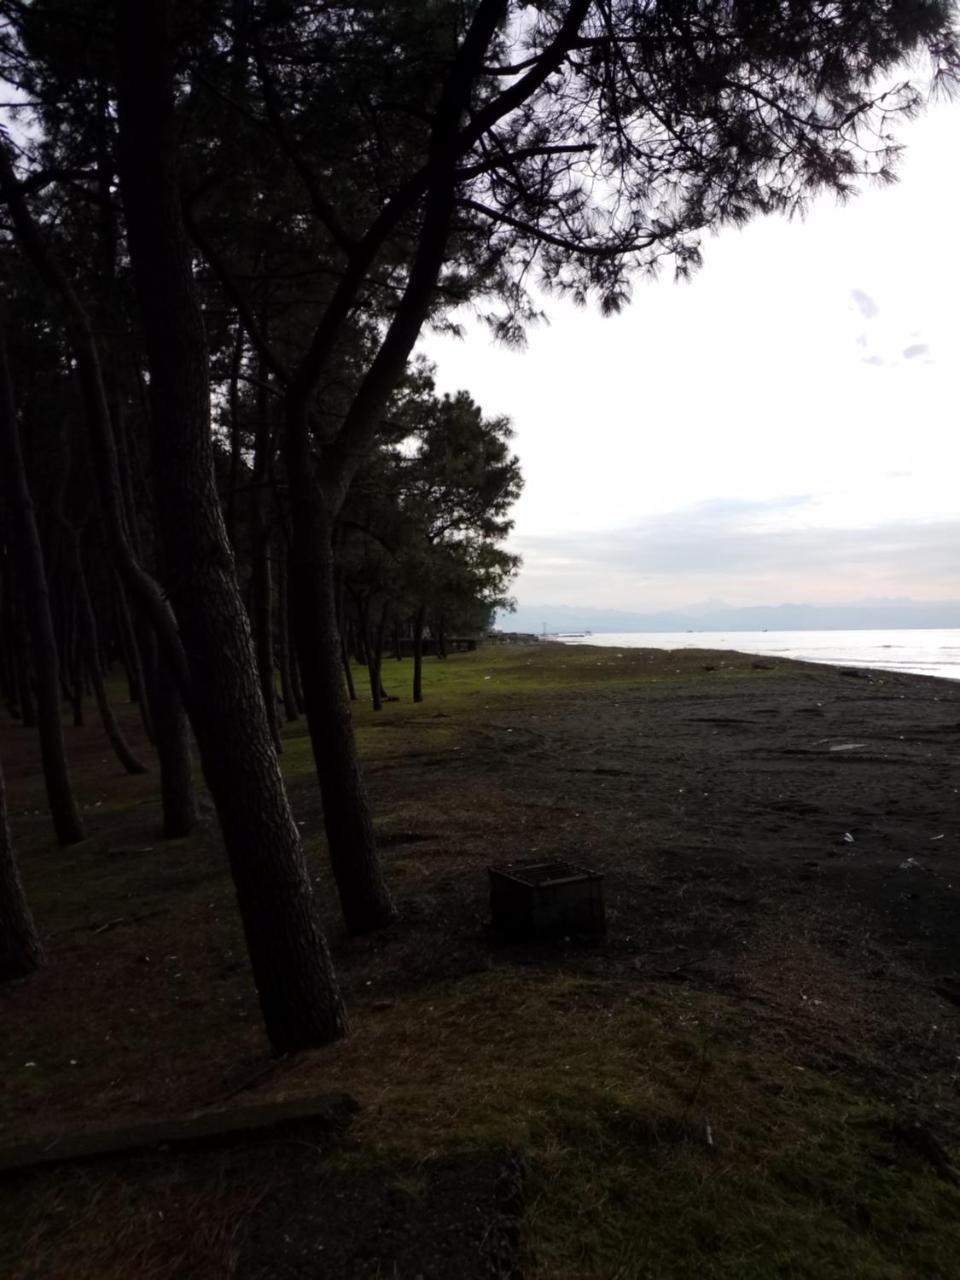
[544,899]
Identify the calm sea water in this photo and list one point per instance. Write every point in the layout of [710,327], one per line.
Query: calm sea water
[929,653]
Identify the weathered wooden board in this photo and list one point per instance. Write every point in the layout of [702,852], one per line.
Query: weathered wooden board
[327,1113]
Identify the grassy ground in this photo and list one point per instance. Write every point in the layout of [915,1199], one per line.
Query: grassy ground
[754,1075]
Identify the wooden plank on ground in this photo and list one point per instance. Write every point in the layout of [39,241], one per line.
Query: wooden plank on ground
[328,1113]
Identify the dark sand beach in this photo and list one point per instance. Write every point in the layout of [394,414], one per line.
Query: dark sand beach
[772,1015]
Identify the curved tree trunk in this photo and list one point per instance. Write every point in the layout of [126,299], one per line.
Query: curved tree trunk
[8,659]
[20,950]
[171,738]
[347,668]
[64,809]
[295,682]
[364,897]
[76,692]
[25,685]
[233,481]
[373,647]
[134,659]
[261,617]
[90,646]
[291,966]
[261,586]
[283,641]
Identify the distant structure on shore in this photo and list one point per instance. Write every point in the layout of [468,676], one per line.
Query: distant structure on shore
[514,637]
[530,637]
[563,635]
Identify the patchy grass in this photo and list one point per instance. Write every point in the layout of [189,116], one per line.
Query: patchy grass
[656,1144]
[717,1090]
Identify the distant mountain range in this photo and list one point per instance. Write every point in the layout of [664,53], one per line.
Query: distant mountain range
[717,616]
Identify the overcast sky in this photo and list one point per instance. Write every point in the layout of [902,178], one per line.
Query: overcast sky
[784,428]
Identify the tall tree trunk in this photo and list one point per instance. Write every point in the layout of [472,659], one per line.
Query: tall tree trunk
[63,805]
[171,737]
[283,640]
[440,640]
[28,700]
[233,480]
[261,610]
[261,587]
[347,667]
[8,659]
[361,638]
[131,664]
[418,624]
[295,682]
[76,670]
[134,658]
[20,950]
[364,897]
[90,646]
[378,658]
[76,697]
[373,658]
[291,966]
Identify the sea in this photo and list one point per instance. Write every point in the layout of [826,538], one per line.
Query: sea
[924,652]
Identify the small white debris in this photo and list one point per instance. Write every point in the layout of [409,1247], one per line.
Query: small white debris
[847,838]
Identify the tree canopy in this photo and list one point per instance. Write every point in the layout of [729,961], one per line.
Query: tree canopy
[226,225]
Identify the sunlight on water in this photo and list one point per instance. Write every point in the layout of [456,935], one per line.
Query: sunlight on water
[928,653]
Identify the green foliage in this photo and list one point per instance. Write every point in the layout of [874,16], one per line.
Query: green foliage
[423,525]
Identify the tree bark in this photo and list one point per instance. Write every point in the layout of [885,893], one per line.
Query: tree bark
[233,481]
[171,738]
[9,685]
[440,640]
[64,809]
[295,981]
[373,648]
[295,682]
[20,949]
[28,700]
[418,625]
[283,641]
[76,675]
[90,647]
[347,668]
[261,610]
[134,659]
[261,587]
[364,897]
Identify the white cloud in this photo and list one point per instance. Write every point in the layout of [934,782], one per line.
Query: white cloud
[800,360]
[865,304]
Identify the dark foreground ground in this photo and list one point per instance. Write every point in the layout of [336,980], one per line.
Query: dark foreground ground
[754,1075]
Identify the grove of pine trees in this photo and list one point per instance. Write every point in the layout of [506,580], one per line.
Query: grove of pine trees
[226,224]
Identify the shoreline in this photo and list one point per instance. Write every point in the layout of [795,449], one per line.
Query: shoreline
[911,660]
